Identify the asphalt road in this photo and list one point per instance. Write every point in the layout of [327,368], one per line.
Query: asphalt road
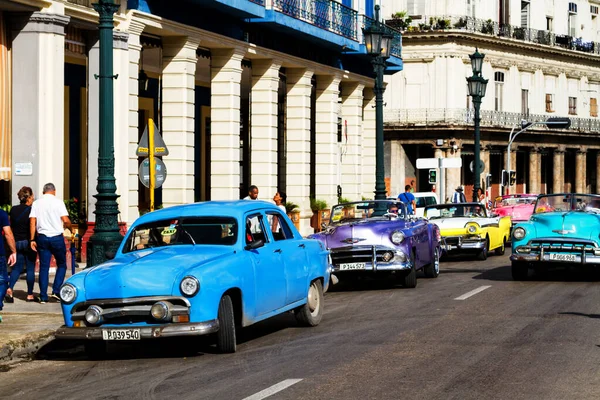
[537,339]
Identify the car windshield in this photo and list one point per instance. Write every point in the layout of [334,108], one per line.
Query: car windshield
[513,201]
[182,231]
[567,202]
[368,210]
[455,211]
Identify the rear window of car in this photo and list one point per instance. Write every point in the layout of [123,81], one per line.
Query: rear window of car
[220,231]
[426,201]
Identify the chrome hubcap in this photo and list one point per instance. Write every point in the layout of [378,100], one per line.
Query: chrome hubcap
[436,263]
[313,299]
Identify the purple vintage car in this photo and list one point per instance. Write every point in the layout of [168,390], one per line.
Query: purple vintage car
[372,237]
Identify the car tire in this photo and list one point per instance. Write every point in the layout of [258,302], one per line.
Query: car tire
[433,270]
[311,313]
[226,341]
[409,279]
[95,349]
[502,249]
[483,253]
[519,270]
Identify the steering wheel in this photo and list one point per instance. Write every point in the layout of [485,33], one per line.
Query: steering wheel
[390,215]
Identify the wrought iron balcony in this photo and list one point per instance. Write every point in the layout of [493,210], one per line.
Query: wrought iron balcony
[493,28]
[325,14]
[431,117]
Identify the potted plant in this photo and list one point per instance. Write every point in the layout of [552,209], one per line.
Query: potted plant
[461,23]
[293,211]
[347,210]
[400,20]
[488,27]
[321,214]
[519,33]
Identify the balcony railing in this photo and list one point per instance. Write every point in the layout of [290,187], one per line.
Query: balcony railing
[325,14]
[88,3]
[259,2]
[396,47]
[431,117]
[493,28]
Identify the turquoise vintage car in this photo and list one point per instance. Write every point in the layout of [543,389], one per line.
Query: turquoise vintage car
[563,230]
[197,269]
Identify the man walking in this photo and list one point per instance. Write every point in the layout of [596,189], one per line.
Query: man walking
[12,258]
[459,196]
[49,218]
[252,193]
[409,199]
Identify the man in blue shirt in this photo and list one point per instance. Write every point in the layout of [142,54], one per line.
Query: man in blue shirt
[409,200]
[12,258]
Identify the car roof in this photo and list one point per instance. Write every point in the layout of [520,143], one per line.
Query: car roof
[229,208]
[424,194]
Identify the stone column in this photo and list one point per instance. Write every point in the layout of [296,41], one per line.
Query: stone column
[226,75]
[178,112]
[298,146]
[597,172]
[93,129]
[558,173]
[513,166]
[38,54]
[580,169]
[535,178]
[397,166]
[265,88]
[134,50]
[454,175]
[485,157]
[368,145]
[439,152]
[327,152]
[352,103]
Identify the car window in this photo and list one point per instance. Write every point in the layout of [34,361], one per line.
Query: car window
[255,229]
[182,231]
[278,226]
[430,200]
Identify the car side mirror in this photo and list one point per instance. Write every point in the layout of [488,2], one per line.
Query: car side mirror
[110,254]
[255,244]
[323,225]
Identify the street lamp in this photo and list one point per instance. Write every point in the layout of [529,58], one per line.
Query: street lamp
[477,86]
[378,44]
[106,237]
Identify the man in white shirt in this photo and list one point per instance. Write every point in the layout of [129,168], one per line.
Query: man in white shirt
[252,193]
[49,218]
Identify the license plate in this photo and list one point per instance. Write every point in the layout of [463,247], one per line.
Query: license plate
[350,266]
[563,257]
[121,334]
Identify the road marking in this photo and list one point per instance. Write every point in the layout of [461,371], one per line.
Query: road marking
[472,293]
[273,389]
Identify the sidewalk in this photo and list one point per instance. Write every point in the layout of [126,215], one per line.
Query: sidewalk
[27,327]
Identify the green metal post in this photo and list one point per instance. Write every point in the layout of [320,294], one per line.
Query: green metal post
[476,165]
[106,237]
[379,67]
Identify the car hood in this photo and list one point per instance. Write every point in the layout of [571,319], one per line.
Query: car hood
[519,212]
[358,233]
[572,224]
[151,272]
[460,222]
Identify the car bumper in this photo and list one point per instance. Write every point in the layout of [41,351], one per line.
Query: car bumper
[146,332]
[578,258]
[460,244]
[374,268]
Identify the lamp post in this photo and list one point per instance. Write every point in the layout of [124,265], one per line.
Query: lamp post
[477,86]
[106,237]
[378,44]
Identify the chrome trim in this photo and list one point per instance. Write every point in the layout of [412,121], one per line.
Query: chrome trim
[143,310]
[146,332]
[129,300]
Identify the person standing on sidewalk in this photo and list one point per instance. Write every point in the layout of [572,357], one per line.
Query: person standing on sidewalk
[19,223]
[48,219]
[12,258]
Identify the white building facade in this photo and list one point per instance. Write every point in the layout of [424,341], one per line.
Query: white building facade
[248,92]
[541,60]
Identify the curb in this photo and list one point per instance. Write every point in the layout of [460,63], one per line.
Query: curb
[25,347]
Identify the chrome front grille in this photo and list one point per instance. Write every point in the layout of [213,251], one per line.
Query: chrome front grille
[357,255]
[565,246]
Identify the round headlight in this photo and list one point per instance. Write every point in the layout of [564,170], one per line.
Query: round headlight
[519,233]
[472,229]
[189,286]
[160,311]
[68,293]
[93,315]
[397,237]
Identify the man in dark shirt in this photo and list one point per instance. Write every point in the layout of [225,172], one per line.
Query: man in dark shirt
[12,258]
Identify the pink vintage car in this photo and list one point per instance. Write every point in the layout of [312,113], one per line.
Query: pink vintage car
[518,206]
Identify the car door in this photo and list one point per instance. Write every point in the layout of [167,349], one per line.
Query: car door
[421,235]
[293,253]
[269,275]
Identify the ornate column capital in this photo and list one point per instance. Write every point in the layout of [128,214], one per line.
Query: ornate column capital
[560,149]
[582,150]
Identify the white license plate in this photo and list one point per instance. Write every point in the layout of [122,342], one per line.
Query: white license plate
[563,257]
[121,334]
[350,266]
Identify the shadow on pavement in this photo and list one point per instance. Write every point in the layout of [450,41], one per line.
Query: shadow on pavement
[596,316]
[553,275]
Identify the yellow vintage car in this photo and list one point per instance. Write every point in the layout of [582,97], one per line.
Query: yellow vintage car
[466,227]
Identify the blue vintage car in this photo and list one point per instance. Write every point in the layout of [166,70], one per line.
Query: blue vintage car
[198,269]
[377,237]
[564,229]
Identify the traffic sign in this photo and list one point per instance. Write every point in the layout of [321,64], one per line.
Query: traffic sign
[428,163]
[453,162]
[160,172]
[481,165]
[160,148]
